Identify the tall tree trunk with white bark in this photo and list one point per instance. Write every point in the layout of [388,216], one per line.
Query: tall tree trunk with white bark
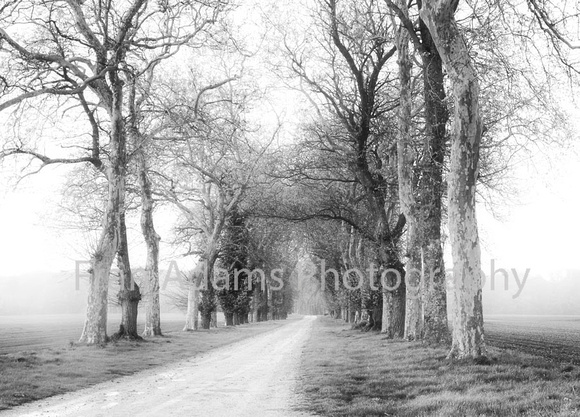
[129,293]
[191,317]
[430,190]
[194,285]
[153,306]
[405,159]
[467,317]
[95,328]
[151,282]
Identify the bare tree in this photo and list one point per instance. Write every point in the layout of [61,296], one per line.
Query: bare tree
[405,161]
[427,306]
[212,160]
[467,319]
[85,51]
[355,42]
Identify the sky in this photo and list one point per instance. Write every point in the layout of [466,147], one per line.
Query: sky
[29,243]
[540,231]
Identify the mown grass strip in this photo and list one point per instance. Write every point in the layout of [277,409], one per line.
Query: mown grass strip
[349,373]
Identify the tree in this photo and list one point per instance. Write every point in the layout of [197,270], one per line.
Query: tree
[423,187]
[559,22]
[212,161]
[355,42]
[234,297]
[69,78]
[467,319]
[153,308]
[89,52]
[273,248]
[405,160]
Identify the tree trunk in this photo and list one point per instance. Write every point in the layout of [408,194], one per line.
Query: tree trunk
[208,303]
[414,320]
[205,320]
[467,319]
[351,315]
[191,317]
[153,307]
[95,328]
[431,188]
[386,240]
[255,305]
[129,294]
[207,306]
[265,301]
[269,303]
[374,314]
[229,318]
[394,304]
[405,161]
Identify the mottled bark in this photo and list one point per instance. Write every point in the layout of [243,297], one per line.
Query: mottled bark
[151,279]
[405,161]
[109,89]
[129,294]
[192,314]
[208,303]
[394,298]
[153,307]
[414,319]
[95,328]
[430,192]
[467,317]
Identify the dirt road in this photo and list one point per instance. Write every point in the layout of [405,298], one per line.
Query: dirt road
[254,377]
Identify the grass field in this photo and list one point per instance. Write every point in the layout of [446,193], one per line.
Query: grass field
[553,337]
[28,375]
[345,372]
[350,373]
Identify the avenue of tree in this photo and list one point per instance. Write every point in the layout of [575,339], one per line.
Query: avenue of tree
[410,112]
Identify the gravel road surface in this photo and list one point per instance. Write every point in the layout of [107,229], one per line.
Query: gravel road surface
[253,377]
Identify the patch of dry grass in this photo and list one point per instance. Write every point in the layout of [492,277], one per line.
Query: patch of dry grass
[31,375]
[349,373]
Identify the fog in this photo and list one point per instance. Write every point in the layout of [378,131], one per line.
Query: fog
[62,293]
